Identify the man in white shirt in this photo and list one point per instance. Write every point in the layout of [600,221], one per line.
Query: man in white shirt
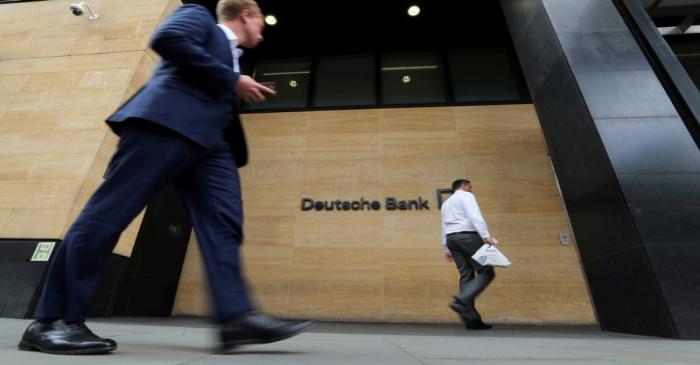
[464,231]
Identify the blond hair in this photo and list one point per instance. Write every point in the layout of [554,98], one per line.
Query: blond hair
[232,9]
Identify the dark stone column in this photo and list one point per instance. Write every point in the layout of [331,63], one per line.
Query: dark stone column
[149,283]
[628,167]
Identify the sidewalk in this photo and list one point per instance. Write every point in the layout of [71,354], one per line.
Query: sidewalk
[172,341]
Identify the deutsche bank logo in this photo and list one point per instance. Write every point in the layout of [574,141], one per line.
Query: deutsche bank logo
[390,203]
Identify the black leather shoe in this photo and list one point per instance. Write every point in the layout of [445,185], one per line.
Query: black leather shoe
[60,338]
[254,328]
[469,315]
[466,311]
[477,325]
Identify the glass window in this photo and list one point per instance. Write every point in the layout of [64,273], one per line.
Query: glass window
[483,75]
[670,3]
[692,66]
[412,78]
[291,79]
[688,52]
[345,81]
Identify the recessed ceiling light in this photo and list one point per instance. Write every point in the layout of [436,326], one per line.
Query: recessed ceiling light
[293,83]
[406,79]
[270,20]
[413,10]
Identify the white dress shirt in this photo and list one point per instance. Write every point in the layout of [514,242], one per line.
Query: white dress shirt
[460,213]
[233,41]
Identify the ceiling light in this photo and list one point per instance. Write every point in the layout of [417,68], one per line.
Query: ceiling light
[270,20]
[406,79]
[401,68]
[413,10]
[293,83]
[286,73]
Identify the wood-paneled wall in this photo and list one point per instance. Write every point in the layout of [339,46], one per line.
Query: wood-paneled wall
[60,77]
[388,265]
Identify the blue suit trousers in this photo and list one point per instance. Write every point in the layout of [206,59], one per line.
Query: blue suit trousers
[149,157]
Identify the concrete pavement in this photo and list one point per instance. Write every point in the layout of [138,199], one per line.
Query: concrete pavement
[175,341]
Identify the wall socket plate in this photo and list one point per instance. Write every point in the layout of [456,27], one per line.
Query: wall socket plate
[564,239]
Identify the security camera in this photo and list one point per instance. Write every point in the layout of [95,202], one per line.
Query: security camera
[80,8]
[76,9]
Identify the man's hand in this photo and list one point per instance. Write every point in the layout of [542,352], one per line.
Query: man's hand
[448,257]
[252,91]
[490,240]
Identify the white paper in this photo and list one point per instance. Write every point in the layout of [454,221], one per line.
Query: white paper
[43,250]
[489,255]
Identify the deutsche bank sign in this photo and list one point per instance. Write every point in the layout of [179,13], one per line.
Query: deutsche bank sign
[390,203]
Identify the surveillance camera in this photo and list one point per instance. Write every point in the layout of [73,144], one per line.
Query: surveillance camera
[77,9]
[80,9]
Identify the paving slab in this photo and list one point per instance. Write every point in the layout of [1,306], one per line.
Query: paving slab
[180,341]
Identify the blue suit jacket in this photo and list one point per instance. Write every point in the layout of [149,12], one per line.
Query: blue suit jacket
[192,89]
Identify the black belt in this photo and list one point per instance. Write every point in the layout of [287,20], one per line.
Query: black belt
[463,232]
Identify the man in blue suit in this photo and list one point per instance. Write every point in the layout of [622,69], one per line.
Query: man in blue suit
[181,127]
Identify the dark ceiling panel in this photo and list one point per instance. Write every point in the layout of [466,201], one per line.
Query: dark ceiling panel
[322,27]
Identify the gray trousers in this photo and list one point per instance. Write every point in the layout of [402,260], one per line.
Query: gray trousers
[473,278]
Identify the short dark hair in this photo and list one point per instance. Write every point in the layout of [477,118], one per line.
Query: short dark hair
[458,184]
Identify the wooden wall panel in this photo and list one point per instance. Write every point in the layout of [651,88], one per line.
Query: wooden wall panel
[58,83]
[192,296]
[49,29]
[388,265]
[60,77]
[49,145]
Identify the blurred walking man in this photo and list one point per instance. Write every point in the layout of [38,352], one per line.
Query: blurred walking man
[180,128]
